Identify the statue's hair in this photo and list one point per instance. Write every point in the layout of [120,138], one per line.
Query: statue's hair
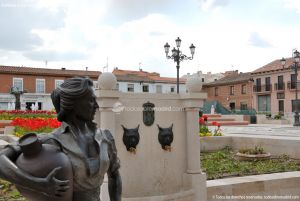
[64,96]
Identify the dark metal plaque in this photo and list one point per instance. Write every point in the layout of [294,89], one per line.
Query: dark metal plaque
[148,113]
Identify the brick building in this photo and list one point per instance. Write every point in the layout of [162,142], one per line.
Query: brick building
[38,83]
[275,88]
[233,91]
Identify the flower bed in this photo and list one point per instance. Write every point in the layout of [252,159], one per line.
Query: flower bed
[38,125]
[222,164]
[12,114]
[204,131]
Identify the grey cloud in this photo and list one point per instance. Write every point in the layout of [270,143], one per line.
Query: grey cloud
[214,3]
[120,11]
[55,56]
[17,23]
[257,41]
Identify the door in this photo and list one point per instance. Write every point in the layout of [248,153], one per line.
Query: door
[293,81]
[258,84]
[232,106]
[280,83]
[281,106]
[264,103]
[268,83]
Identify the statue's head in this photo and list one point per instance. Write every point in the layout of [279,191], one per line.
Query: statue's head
[75,97]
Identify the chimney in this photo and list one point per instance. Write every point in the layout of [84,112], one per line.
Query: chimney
[63,68]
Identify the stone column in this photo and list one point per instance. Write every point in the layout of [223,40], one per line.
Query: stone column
[193,142]
[192,103]
[107,98]
[107,101]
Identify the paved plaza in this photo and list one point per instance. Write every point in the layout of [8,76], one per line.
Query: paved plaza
[262,130]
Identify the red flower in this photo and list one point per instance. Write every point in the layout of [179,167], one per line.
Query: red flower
[205,117]
[36,124]
[201,121]
[214,123]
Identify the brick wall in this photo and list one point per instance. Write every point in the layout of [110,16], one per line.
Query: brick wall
[29,82]
[225,98]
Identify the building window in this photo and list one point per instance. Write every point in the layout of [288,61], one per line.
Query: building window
[117,87]
[18,83]
[244,89]
[202,79]
[58,83]
[280,96]
[294,106]
[40,85]
[130,87]
[231,92]
[158,89]
[216,91]
[243,106]
[172,89]
[145,88]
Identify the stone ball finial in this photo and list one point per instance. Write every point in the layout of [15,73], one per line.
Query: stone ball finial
[194,84]
[107,81]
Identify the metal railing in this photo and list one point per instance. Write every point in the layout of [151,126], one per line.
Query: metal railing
[279,86]
[262,88]
[292,85]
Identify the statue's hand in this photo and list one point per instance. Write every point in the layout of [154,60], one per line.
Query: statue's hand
[52,186]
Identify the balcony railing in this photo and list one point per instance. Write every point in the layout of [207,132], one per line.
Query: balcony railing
[292,85]
[262,88]
[279,86]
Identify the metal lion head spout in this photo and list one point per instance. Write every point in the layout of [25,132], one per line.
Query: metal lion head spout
[131,138]
[165,137]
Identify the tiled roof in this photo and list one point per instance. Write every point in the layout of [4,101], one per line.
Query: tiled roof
[274,66]
[230,79]
[48,72]
[132,76]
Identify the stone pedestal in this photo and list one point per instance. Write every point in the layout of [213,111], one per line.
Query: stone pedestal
[106,100]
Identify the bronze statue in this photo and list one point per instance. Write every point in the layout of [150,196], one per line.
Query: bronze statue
[92,152]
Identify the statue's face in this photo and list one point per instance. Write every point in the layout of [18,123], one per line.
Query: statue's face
[85,107]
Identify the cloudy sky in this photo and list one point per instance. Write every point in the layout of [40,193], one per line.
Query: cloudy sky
[228,34]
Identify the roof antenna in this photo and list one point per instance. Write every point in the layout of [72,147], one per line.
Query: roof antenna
[106,66]
[140,68]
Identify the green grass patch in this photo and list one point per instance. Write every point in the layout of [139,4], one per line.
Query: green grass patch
[222,164]
[8,192]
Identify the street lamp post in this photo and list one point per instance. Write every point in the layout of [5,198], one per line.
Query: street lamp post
[177,56]
[296,56]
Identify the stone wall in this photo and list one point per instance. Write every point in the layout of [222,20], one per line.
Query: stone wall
[278,186]
[276,145]
[153,173]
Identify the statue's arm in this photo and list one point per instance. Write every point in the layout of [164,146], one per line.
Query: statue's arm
[10,172]
[114,186]
[114,177]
